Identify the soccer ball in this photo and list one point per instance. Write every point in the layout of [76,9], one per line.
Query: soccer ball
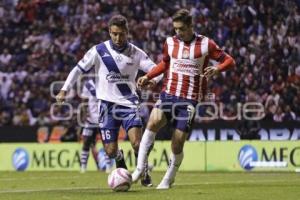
[119,180]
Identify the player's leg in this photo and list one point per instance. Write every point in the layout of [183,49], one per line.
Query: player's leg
[109,128]
[134,135]
[112,151]
[94,147]
[132,123]
[176,157]
[182,122]
[156,121]
[87,141]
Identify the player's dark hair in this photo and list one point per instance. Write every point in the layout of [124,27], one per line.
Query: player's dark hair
[118,20]
[183,15]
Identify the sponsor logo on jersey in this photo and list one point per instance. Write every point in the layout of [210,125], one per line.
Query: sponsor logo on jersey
[105,55]
[113,77]
[186,67]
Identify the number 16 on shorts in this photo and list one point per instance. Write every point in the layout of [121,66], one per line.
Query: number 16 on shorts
[109,135]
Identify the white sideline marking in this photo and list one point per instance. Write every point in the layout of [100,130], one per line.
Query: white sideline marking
[48,190]
[183,184]
[39,177]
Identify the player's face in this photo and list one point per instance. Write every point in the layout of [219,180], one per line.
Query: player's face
[183,31]
[118,35]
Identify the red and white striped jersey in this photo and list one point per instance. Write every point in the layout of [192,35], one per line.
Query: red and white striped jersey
[187,62]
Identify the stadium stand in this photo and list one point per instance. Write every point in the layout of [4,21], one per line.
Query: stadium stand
[41,40]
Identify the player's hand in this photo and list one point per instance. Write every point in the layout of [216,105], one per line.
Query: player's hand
[61,96]
[211,71]
[142,81]
[150,85]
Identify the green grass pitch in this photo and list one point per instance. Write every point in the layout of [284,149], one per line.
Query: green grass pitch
[189,186]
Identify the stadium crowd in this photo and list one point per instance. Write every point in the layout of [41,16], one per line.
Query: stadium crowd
[41,40]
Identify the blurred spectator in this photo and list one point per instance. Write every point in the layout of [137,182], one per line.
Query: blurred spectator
[41,40]
[5,57]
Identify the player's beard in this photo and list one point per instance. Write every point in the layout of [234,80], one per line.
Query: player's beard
[120,47]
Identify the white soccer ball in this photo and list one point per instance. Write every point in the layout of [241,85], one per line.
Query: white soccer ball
[119,180]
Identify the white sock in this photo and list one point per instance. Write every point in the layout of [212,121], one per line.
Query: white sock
[175,162]
[146,142]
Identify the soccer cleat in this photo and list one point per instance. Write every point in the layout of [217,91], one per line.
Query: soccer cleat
[136,175]
[82,169]
[108,169]
[165,184]
[146,179]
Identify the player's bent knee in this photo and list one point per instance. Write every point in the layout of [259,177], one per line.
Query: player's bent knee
[87,141]
[177,147]
[177,150]
[157,120]
[155,124]
[86,146]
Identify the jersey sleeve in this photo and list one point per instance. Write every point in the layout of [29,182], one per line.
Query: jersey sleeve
[216,53]
[146,64]
[166,57]
[161,67]
[88,61]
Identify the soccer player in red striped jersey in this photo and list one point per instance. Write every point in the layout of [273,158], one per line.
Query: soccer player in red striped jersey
[186,62]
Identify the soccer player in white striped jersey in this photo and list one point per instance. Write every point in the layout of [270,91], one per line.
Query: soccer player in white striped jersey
[89,113]
[115,64]
[185,60]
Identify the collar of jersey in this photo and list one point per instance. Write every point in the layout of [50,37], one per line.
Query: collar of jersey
[118,49]
[189,42]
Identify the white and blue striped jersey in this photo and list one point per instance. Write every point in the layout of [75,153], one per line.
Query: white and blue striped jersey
[89,92]
[115,72]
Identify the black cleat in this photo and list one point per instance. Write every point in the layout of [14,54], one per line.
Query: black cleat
[146,179]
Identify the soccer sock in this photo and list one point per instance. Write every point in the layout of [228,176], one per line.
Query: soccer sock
[146,163]
[145,146]
[175,162]
[84,158]
[120,161]
[119,155]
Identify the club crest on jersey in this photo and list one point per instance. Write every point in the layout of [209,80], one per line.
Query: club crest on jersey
[118,58]
[185,53]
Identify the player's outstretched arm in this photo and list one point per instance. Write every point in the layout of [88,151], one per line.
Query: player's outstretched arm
[157,70]
[61,96]
[72,77]
[216,53]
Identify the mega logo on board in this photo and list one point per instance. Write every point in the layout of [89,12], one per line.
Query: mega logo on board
[250,157]
[20,159]
[247,156]
[53,158]
[23,159]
